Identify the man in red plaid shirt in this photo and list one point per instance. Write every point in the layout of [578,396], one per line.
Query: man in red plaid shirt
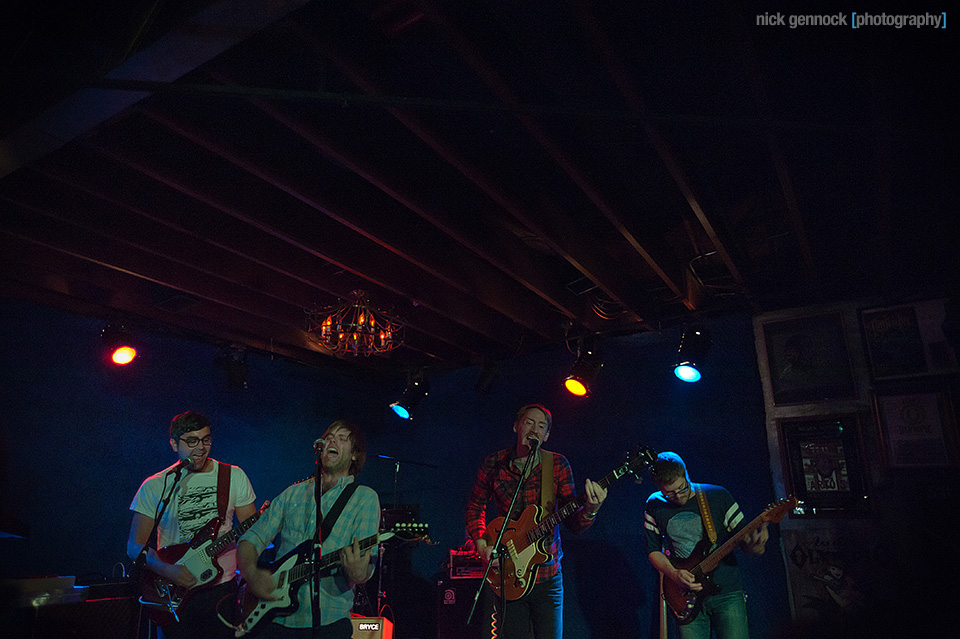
[540,609]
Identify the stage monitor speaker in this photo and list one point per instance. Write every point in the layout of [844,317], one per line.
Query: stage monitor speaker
[371,627]
[454,598]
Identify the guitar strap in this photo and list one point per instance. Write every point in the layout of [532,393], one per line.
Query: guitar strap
[223,489]
[705,516]
[327,524]
[546,482]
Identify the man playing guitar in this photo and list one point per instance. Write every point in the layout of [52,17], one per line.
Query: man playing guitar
[673,521]
[541,606]
[192,506]
[293,516]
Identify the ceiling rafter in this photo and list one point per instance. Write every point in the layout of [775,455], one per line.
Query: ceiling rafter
[775,148]
[393,274]
[506,253]
[631,93]
[578,258]
[470,276]
[348,260]
[218,264]
[502,90]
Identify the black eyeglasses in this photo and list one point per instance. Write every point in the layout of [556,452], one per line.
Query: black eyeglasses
[678,491]
[193,442]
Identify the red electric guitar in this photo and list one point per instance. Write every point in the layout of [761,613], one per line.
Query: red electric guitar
[161,598]
[686,604]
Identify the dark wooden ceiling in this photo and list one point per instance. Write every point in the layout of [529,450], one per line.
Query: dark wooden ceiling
[501,175]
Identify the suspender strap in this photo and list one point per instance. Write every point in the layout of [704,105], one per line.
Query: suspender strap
[327,525]
[223,489]
[705,516]
[546,484]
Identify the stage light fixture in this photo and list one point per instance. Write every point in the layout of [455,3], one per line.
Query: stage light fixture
[233,359]
[694,344]
[417,388]
[585,368]
[487,376]
[118,346]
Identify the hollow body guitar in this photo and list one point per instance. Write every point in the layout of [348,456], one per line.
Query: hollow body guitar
[525,538]
[686,604]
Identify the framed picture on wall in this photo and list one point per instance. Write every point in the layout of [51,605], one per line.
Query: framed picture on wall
[907,340]
[917,428]
[823,465]
[808,360]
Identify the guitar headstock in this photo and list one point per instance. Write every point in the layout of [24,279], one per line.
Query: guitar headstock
[407,531]
[639,460]
[775,512]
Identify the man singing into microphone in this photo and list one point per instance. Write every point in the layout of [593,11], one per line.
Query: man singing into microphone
[193,503]
[540,609]
[352,513]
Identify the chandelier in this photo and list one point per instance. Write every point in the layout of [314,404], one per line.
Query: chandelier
[354,327]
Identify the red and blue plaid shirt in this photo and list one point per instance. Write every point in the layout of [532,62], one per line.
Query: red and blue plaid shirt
[497,481]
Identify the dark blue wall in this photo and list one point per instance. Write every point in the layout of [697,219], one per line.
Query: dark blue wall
[78,439]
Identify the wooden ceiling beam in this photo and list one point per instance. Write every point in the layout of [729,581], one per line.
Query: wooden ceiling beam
[511,260]
[417,245]
[49,275]
[628,88]
[327,241]
[596,271]
[231,247]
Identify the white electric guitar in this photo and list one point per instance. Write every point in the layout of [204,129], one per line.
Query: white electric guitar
[293,570]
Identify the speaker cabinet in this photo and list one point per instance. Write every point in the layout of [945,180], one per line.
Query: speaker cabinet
[371,628]
[454,598]
[114,618]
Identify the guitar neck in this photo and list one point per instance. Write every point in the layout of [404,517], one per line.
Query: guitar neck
[546,526]
[224,541]
[710,561]
[303,571]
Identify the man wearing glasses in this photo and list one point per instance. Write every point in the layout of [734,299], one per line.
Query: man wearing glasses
[193,503]
[674,525]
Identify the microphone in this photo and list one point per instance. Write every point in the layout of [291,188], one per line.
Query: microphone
[318,445]
[179,467]
[533,443]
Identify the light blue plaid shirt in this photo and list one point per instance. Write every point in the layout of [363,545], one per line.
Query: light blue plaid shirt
[294,516]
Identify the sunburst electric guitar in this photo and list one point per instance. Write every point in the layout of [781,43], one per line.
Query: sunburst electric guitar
[686,604]
[292,571]
[161,598]
[526,537]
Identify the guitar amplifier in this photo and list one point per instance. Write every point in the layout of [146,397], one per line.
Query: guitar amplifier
[465,565]
[371,627]
[454,599]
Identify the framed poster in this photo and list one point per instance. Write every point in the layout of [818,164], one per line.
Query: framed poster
[823,465]
[808,360]
[837,574]
[907,340]
[917,429]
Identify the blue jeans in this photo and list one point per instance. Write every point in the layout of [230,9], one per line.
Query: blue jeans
[725,614]
[539,612]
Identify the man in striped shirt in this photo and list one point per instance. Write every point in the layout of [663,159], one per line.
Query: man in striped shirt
[674,526]
[540,609]
[293,515]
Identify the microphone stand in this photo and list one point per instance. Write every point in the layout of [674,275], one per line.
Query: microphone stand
[534,446]
[381,593]
[315,578]
[139,564]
